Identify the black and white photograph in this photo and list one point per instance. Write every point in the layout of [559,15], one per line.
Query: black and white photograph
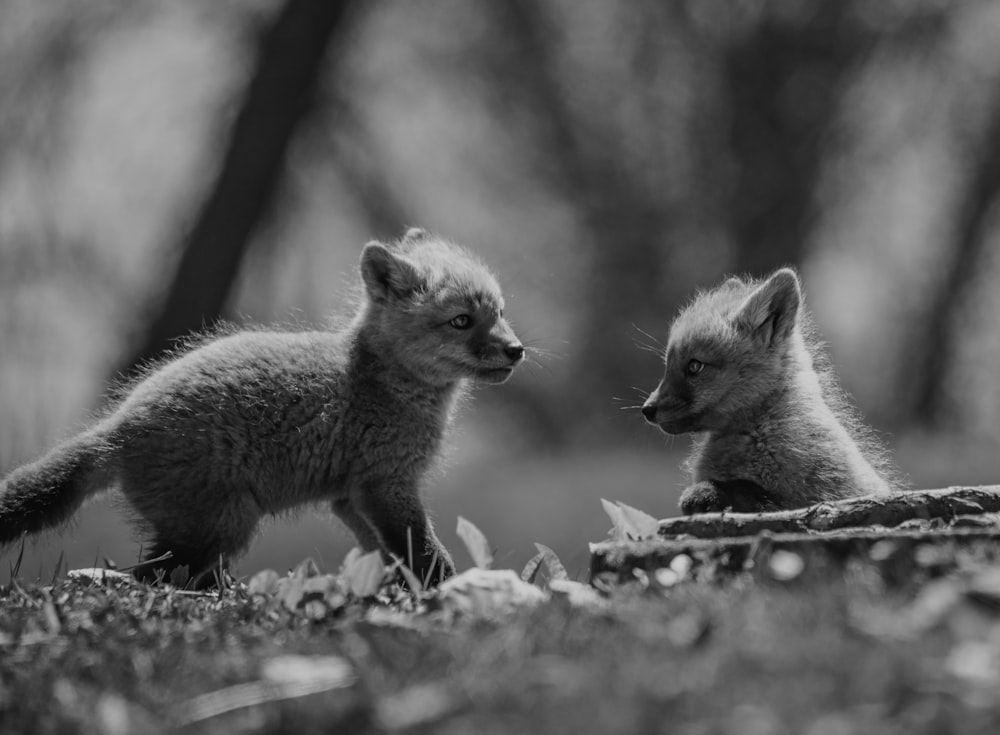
[500,366]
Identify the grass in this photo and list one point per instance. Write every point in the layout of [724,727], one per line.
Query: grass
[828,651]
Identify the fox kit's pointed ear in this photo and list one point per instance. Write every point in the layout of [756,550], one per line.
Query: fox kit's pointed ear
[386,274]
[769,313]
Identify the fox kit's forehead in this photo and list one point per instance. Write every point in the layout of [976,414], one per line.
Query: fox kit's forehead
[452,273]
[709,316]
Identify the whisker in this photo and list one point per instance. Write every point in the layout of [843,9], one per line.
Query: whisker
[533,366]
[646,334]
[538,355]
[649,348]
[543,352]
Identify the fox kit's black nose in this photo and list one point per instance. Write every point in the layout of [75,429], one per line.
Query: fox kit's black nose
[514,352]
[649,411]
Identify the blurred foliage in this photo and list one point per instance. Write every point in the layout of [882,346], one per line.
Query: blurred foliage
[607,160]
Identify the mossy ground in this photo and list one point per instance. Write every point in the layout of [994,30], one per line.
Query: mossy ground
[848,650]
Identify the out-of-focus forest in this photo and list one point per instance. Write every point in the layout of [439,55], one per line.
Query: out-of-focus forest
[167,164]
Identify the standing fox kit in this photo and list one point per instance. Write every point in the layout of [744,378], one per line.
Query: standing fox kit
[745,373]
[258,422]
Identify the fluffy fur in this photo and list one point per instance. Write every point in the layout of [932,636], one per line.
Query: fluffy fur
[258,422]
[745,372]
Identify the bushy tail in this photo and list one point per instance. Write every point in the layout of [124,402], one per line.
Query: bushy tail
[48,491]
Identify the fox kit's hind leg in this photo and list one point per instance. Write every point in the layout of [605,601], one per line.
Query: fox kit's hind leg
[713,496]
[201,563]
[199,509]
[202,546]
[198,523]
[403,528]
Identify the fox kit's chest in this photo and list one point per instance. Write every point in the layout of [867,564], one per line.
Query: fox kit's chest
[728,456]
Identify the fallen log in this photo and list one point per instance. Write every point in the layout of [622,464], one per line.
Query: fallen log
[886,511]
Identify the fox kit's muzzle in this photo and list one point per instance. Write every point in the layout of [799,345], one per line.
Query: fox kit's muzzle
[502,351]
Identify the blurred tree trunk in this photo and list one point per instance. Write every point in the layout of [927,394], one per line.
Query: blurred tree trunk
[279,96]
[784,81]
[360,167]
[932,350]
[624,222]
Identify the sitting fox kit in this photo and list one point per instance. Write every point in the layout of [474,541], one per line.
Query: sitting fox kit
[259,422]
[745,373]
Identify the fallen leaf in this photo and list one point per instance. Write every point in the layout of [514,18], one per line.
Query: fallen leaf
[264,582]
[641,524]
[530,570]
[630,523]
[475,541]
[306,568]
[619,527]
[364,575]
[552,564]
[352,556]
[291,590]
[486,593]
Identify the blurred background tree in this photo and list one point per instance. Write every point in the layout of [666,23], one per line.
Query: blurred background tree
[167,164]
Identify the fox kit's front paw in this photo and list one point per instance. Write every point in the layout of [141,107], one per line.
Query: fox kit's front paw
[434,566]
[739,496]
[444,568]
[703,497]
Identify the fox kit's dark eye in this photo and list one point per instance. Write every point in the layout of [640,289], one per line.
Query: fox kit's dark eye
[462,321]
[694,367]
